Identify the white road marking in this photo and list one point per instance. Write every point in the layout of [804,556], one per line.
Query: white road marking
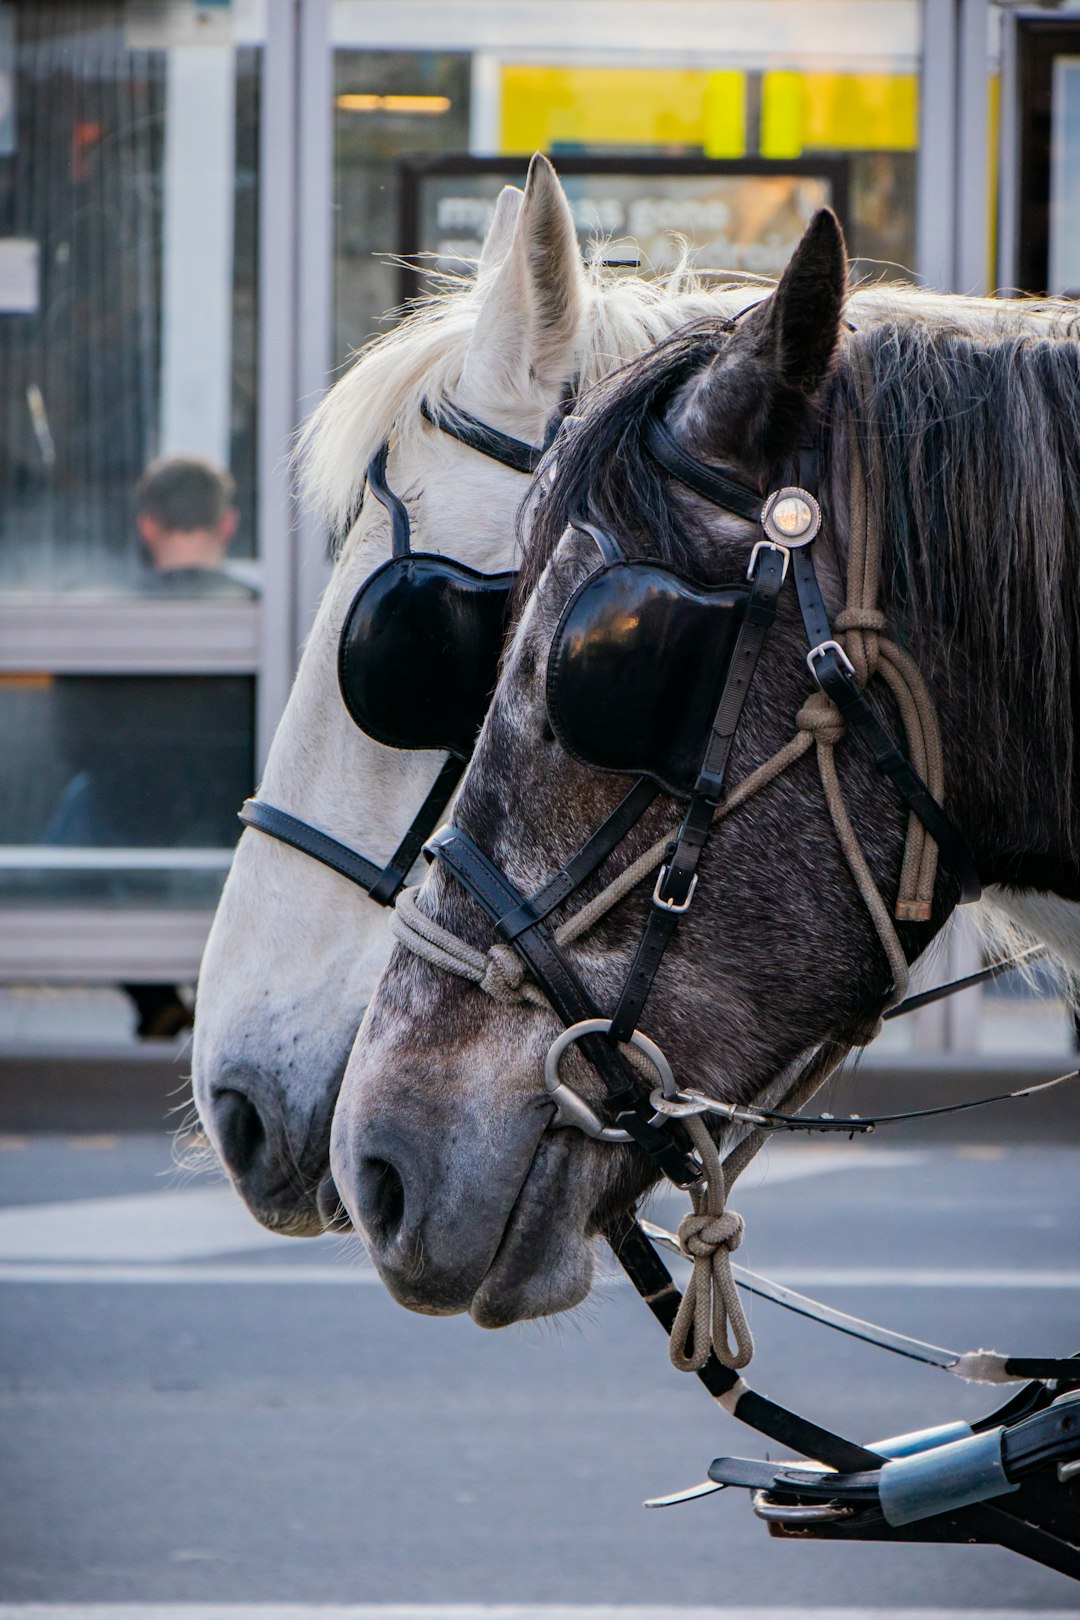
[489,1611]
[189,1223]
[197,1223]
[792,1162]
[354,1273]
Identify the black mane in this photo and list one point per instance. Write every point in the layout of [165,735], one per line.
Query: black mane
[603,470]
[974,442]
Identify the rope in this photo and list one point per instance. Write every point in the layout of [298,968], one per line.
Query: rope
[710,1312]
[496,971]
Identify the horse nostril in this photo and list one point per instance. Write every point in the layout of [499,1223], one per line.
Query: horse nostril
[241,1131]
[385,1203]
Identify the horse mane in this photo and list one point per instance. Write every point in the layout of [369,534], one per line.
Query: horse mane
[975,456]
[967,410]
[420,359]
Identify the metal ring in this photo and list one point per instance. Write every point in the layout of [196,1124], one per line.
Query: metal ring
[675,1107]
[573,1110]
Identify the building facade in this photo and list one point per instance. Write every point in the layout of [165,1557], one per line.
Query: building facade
[201,207]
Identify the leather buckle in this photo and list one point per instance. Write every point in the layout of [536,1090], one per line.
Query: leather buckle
[677,906]
[768,545]
[821,650]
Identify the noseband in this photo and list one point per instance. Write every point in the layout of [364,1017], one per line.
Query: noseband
[436,604]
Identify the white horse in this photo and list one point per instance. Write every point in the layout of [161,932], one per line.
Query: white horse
[295,951]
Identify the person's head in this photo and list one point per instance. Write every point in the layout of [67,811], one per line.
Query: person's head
[186,517]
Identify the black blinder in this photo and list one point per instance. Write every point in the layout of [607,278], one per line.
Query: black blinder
[419,651]
[636,669]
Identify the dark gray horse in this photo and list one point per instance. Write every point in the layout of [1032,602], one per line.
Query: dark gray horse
[967,426]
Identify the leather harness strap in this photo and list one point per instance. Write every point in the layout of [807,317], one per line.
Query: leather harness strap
[549,966]
[287,829]
[460,424]
[382,883]
[721,488]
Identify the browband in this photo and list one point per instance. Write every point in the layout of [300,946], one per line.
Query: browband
[719,487]
[460,424]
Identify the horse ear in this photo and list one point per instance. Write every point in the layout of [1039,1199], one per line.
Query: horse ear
[798,327]
[501,230]
[526,331]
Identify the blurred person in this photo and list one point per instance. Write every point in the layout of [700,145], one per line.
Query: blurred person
[160,760]
[186,520]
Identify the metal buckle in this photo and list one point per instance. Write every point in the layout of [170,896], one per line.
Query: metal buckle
[768,545]
[573,1110]
[678,906]
[819,652]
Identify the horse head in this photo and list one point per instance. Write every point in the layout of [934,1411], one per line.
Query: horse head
[294,951]
[813,883]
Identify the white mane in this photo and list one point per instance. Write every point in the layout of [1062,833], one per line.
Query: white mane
[422,358]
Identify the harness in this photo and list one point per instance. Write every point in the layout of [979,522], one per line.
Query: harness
[987,1481]
[417,660]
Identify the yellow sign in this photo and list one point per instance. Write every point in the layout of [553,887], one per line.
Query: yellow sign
[547,107]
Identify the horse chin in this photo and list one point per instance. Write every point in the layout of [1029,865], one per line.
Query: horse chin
[545,1262]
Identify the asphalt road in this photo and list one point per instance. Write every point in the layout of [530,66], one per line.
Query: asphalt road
[196,1412]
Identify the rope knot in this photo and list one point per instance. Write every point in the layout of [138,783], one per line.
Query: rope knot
[504,974]
[861,628]
[702,1236]
[864,618]
[821,718]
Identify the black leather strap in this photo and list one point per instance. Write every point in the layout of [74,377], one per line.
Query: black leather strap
[815,615]
[671,897]
[399,512]
[395,873]
[460,424]
[653,1282]
[382,883]
[758,619]
[714,483]
[665,1146]
[627,813]
[606,543]
[267,818]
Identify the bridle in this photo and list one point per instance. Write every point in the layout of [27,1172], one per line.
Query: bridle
[384,882]
[790,519]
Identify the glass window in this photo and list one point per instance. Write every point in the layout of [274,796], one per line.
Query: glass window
[834,86]
[109,774]
[128,213]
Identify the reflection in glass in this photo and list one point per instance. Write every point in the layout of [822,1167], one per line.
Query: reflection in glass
[106,204]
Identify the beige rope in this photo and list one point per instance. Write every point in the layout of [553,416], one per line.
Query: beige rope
[710,1312]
